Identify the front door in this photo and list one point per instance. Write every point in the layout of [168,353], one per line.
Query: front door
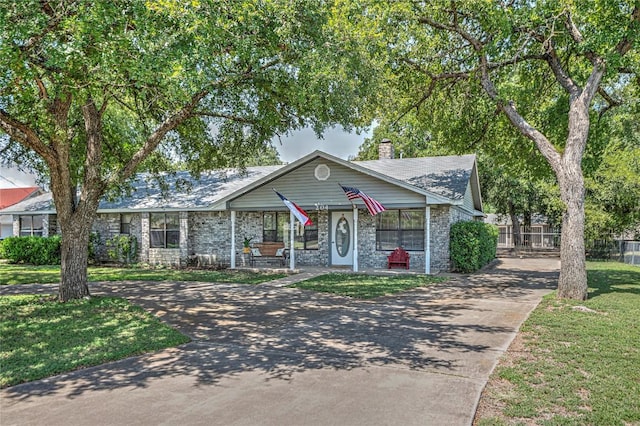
[341,238]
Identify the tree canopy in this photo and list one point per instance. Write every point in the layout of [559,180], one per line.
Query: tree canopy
[528,80]
[93,91]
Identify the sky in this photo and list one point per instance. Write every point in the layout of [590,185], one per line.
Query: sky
[13,178]
[336,142]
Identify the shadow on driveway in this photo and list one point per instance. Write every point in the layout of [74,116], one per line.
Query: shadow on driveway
[457,328]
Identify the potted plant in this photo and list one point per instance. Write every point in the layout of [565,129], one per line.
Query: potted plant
[246,244]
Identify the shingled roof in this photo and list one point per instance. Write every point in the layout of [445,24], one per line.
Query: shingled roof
[446,176]
[183,191]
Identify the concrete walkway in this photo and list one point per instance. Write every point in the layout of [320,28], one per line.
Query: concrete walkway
[272,355]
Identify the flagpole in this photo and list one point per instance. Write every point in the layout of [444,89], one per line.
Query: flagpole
[233,239]
[355,239]
[292,255]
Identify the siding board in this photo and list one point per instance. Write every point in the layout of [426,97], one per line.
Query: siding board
[301,187]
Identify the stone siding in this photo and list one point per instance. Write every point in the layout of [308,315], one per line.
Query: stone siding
[211,235]
[440,227]
[319,257]
[211,231]
[107,226]
[144,243]
[208,233]
[163,256]
[369,257]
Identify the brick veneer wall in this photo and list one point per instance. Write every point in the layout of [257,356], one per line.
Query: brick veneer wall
[107,225]
[369,257]
[209,233]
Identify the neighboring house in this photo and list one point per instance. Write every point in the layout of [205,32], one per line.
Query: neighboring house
[540,235]
[212,215]
[9,197]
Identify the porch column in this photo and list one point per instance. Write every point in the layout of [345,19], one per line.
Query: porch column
[355,238]
[292,252]
[233,239]
[45,225]
[427,240]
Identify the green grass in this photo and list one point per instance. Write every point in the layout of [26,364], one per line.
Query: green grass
[576,367]
[366,286]
[28,274]
[40,337]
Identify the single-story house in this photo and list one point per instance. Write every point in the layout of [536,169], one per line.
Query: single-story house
[212,216]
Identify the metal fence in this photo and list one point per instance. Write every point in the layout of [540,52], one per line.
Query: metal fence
[631,252]
[620,250]
[534,239]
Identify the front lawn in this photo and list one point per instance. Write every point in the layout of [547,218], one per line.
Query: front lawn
[366,286]
[40,337]
[574,362]
[29,274]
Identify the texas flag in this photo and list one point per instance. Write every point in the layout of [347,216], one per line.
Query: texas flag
[302,216]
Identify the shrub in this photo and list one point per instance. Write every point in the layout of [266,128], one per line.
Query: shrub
[32,250]
[122,248]
[472,245]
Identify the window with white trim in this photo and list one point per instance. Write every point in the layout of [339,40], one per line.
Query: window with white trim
[31,226]
[164,230]
[400,228]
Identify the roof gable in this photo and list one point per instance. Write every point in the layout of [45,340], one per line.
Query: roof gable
[353,165]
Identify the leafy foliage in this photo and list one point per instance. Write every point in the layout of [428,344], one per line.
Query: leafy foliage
[535,74]
[472,245]
[31,250]
[122,248]
[93,92]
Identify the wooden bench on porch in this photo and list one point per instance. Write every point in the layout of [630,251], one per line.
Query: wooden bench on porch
[270,251]
[399,257]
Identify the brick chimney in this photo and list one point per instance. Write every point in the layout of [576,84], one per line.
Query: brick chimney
[385,149]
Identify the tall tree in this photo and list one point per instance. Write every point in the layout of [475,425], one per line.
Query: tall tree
[518,185]
[92,91]
[548,67]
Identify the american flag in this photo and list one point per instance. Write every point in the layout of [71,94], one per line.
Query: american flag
[373,206]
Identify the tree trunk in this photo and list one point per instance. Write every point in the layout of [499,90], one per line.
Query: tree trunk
[515,227]
[573,272]
[74,260]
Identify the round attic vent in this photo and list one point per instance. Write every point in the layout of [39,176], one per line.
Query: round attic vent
[322,172]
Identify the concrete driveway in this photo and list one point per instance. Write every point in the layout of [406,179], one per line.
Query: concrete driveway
[263,355]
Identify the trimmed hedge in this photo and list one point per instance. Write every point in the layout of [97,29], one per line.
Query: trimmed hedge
[32,250]
[472,245]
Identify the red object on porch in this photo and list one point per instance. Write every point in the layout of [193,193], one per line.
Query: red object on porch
[398,257]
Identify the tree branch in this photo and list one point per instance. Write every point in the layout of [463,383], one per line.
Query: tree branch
[626,44]
[544,145]
[611,102]
[574,32]
[26,136]
[156,137]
